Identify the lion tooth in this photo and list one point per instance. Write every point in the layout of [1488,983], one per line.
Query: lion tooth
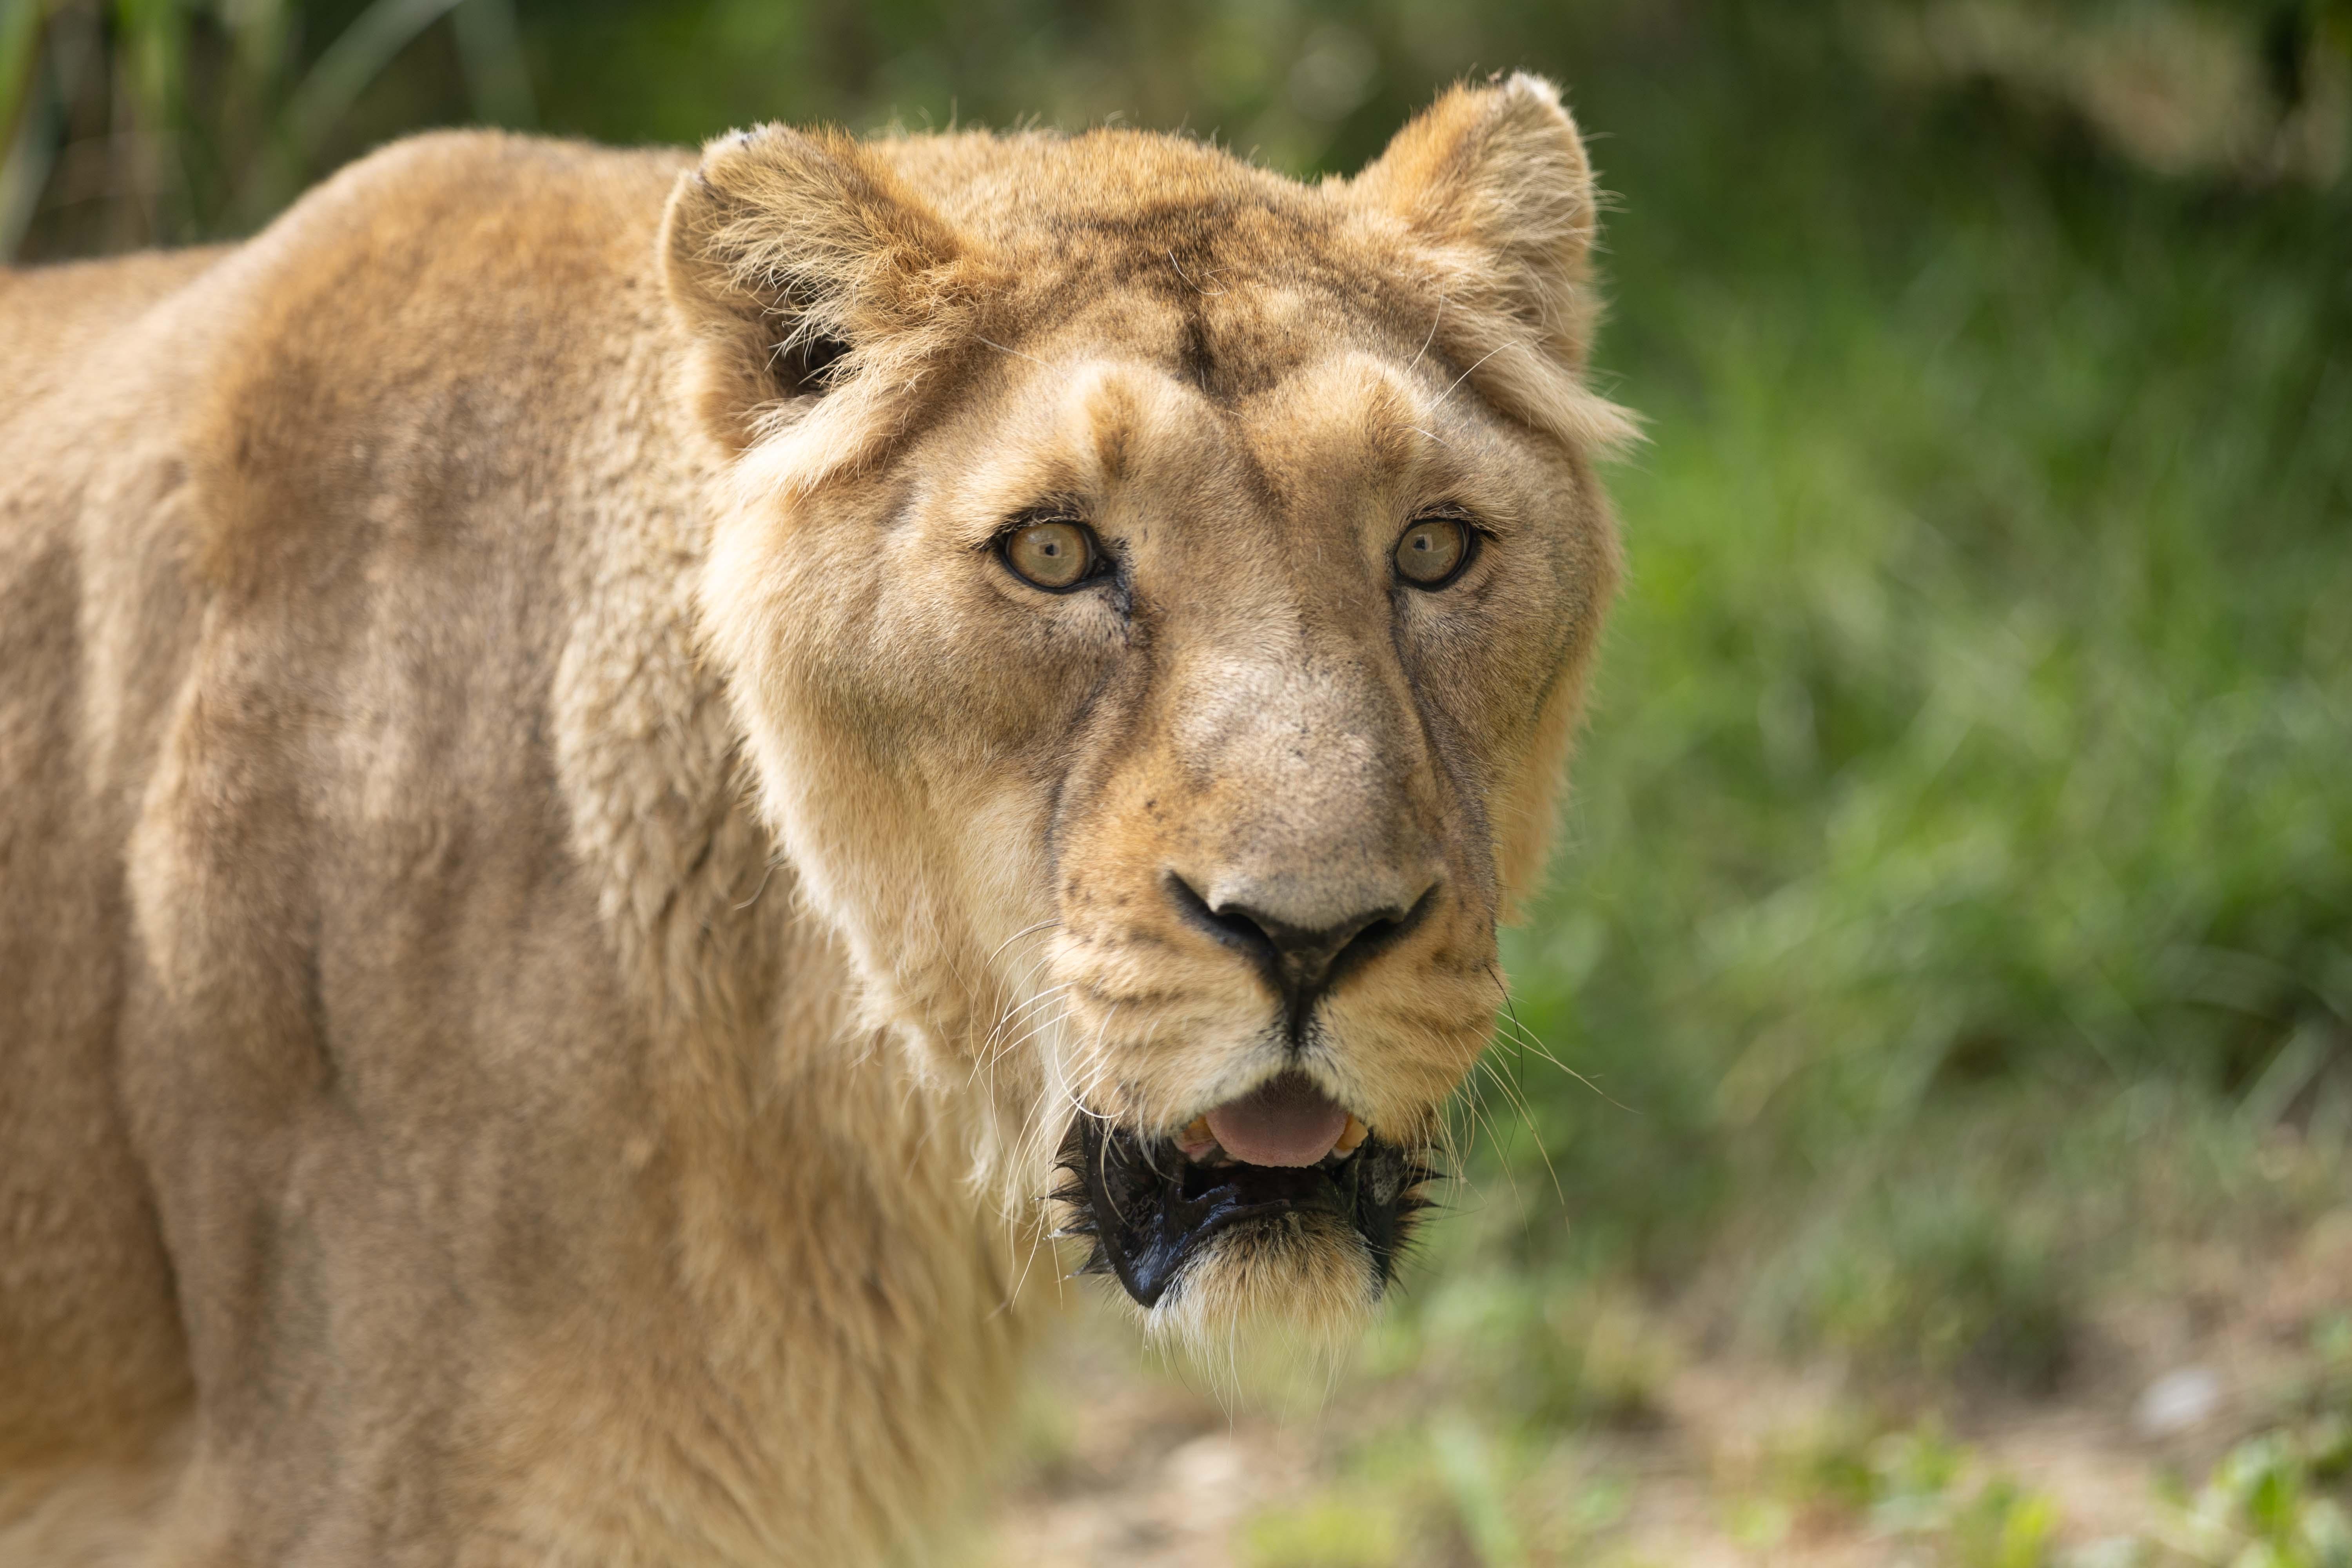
[1350,1136]
[1196,1140]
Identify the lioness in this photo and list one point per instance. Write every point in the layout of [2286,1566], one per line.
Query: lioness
[621,778]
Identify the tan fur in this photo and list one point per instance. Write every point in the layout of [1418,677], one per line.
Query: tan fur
[555,896]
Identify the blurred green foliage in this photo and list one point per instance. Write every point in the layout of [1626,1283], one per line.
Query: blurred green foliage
[1918,1486]
[1971,749]
[2267,1506]
[1958,881]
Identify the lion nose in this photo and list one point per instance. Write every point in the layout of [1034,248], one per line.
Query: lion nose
[1300,962]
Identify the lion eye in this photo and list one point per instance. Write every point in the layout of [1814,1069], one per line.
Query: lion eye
[1433,550]
[1054,553]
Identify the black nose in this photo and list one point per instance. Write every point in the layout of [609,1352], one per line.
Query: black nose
[1299,965]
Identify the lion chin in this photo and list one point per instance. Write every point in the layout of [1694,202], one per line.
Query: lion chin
[1208,1244]
[626,777]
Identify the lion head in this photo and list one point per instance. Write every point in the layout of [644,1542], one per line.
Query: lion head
[1158,595]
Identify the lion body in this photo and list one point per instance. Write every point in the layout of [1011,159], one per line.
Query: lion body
[373,1026]
[516,1039]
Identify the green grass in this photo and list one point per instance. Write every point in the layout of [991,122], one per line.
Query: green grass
[1975,722]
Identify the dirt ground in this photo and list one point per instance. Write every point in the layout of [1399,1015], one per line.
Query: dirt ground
[1139,1469]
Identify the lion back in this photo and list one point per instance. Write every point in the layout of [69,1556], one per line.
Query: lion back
[317,557]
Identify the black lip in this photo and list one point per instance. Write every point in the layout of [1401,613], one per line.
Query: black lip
[1148,1209]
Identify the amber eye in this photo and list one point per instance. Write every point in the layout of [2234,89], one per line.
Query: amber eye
[1053,554]
[1433,550]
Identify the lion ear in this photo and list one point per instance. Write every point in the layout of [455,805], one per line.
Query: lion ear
[796,258]
[1497,176]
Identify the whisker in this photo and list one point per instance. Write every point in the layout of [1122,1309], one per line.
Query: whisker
[1526,1037]
[1017,353]
[1467,374]
[1527,1114]
[1438,316]
[1016,936]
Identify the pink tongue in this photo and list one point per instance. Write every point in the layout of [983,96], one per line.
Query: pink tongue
[1288,1122]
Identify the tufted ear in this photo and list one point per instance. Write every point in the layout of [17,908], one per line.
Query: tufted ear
[1498,173]
[798,259]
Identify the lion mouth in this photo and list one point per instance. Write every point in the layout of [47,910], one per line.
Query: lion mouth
[1151,1204]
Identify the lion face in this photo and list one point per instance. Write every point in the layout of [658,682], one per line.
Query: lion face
[1157,597]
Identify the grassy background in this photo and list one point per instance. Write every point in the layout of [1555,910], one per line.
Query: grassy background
[1955,931]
